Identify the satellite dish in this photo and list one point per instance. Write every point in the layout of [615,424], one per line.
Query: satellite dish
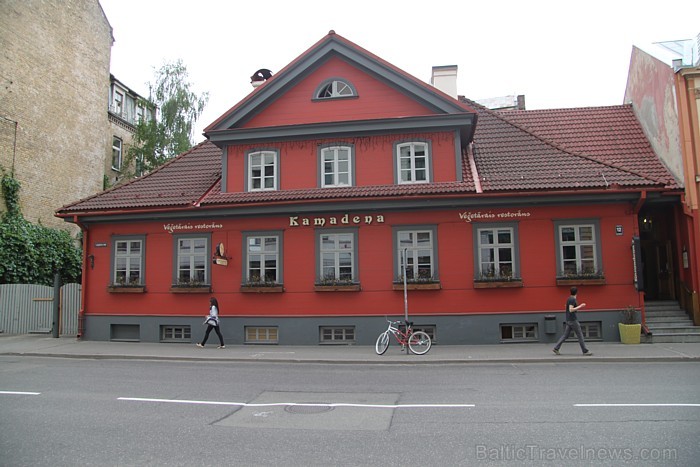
[220,249]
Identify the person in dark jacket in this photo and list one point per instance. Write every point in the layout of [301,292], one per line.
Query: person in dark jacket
[212,322]
[572,323]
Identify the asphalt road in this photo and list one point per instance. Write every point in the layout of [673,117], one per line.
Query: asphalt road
[114,412]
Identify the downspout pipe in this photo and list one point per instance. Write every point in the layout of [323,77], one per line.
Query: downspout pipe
[84,282]
[637,208]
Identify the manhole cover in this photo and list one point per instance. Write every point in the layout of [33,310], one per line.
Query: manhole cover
[307,409]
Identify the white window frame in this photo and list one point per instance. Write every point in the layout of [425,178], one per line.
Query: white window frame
[117,153]
[268,159]
[582,262]
[118,103]
[265,255]
[330,158]
[408,168]
[496,262]
[192,263]
[344,242]
[334,88]
[129,261]
[404,235]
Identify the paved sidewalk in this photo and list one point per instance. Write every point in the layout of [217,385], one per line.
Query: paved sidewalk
[69,347]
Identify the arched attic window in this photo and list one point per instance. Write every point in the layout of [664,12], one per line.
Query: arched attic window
[334,88]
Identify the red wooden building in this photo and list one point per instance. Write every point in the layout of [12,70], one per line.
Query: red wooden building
[316,194]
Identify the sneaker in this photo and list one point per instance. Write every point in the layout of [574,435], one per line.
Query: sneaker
[221,347]
[587,353]
[199,345]
[556,351]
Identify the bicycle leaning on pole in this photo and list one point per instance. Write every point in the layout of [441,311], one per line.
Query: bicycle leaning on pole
[417,341]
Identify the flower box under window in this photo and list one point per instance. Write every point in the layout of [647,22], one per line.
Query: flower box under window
[587,278]
[338,287]
[204,288]
[126,288]
[498,284]
[262,287]
[417,285]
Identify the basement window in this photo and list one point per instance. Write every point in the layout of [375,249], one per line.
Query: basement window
[592,330]
[175,333]
[261,335]
[337,334]
[526,332]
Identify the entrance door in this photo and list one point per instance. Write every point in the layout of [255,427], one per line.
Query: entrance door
[657,229]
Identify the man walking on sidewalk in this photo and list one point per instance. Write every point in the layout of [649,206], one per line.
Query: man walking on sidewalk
[572,307]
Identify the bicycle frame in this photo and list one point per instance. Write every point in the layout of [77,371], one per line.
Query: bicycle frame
[400,336]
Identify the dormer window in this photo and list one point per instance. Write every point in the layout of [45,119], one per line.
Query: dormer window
[334,89]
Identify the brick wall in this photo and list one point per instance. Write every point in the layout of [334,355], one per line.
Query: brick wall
[54,82]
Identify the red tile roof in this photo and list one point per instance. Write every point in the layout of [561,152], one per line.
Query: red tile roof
[584,148]
[609,134]
[514,151]
[180,182]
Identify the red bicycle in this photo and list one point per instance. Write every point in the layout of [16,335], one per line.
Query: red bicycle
[417,341]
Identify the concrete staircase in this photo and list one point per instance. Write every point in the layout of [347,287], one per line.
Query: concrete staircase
[668,322]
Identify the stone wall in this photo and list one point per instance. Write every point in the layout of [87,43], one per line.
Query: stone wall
[54,85]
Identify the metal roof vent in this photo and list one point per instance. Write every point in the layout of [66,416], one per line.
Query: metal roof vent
[260,76]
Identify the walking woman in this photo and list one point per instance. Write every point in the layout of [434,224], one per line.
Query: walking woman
[212,322]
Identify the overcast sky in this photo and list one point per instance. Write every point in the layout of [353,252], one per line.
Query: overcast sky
[557,53]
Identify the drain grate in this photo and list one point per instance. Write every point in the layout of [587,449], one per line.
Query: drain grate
[308,409]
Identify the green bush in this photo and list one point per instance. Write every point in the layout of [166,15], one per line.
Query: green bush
[29,253]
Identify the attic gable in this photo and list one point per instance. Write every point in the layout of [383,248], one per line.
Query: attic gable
[230,126]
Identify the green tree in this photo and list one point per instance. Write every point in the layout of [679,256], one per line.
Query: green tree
[29,253]
[171,133]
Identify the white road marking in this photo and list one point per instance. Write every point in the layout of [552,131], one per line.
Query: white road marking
[21,393]
[636,405]
[304,404]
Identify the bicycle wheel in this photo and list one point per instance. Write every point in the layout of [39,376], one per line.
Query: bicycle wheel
[419,343]
[382,343]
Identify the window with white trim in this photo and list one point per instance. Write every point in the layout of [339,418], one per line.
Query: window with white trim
[116,153]
[118,103]
[336,166]
[334,88]
[578,251]
[128,261]
[263,171]
[412,162]
[192,260]
[337,258]
[263,259]
[496,252]
[420,248]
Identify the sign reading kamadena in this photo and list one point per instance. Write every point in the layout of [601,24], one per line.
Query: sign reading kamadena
[347,219]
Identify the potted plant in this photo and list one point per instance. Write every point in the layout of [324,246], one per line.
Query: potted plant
[630,328]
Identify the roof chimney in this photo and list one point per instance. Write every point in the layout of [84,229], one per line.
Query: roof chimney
[445,79]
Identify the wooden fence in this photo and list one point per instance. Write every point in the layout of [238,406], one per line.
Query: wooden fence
[28,308]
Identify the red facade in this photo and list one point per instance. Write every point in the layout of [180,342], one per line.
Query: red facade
[499,215]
